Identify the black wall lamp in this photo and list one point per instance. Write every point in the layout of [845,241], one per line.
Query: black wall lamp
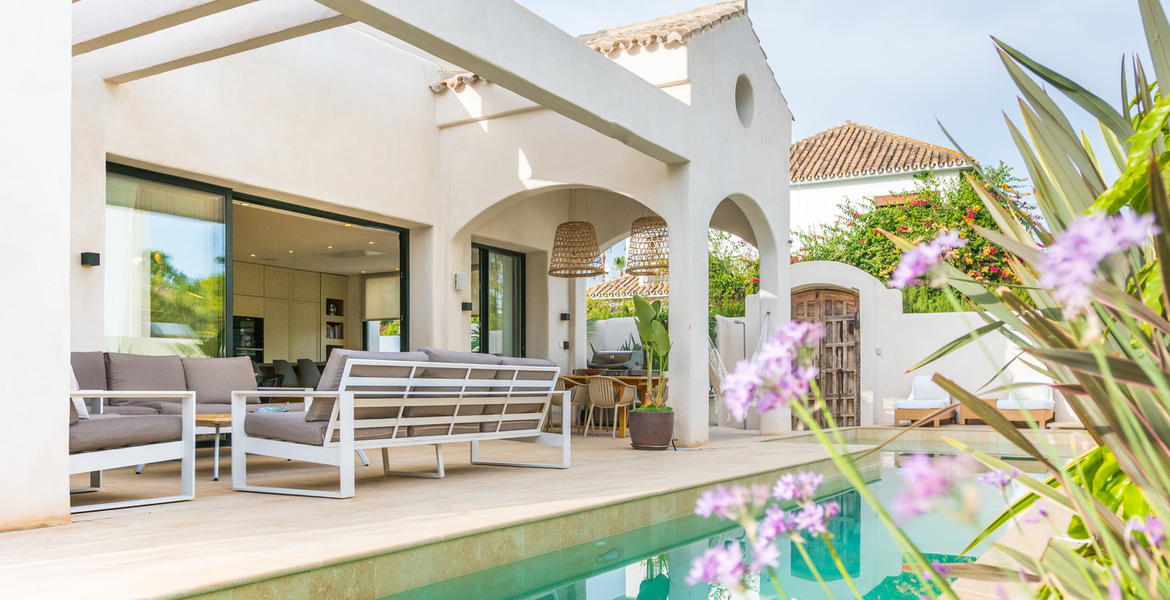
[565,316]
[466,307]
[90,259]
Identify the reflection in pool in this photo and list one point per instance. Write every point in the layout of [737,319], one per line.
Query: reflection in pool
[651,563]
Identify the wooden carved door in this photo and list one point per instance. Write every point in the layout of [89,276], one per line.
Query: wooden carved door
[839,355]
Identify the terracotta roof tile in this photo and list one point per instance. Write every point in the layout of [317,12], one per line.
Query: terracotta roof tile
[853,150]
[626,286]
[673,29]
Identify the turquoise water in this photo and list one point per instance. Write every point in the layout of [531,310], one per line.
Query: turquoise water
[651,563]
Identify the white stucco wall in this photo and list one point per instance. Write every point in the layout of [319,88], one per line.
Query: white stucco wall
[815,202]
[891,342]
[34,239]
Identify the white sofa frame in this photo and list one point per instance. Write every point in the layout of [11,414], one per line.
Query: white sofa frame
[354,392]
[182,450]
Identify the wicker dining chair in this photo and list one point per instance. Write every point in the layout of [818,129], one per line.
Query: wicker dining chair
[579,397]
[608,393]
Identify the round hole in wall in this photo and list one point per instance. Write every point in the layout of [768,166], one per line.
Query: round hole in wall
[745,102]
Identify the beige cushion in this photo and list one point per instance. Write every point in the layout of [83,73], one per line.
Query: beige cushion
[171,408]
[140,409]
[104,432]
[143,373]
[292,427]
[214,379]
[73,417]
[322,408]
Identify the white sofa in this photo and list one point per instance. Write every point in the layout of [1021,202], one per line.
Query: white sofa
[926,398]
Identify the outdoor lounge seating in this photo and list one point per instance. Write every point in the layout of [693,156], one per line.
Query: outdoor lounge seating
[110,441]
[926,398]
[1029,400]
[380,400]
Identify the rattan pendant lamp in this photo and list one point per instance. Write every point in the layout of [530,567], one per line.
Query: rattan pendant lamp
[649,248]
[576,252]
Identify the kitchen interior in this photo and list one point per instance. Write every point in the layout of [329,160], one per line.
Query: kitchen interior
[305,285]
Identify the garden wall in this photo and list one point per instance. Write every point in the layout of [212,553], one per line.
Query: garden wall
[891,342]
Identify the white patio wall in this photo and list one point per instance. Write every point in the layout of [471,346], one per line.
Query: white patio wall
[891,342]
[34,239]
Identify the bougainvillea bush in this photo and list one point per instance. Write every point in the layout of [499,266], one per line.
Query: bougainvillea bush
[932,206]
[1090,313]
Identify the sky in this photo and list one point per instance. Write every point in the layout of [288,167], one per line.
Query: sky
[898,65]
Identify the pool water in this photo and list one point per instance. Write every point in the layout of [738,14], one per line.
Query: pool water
[651,563]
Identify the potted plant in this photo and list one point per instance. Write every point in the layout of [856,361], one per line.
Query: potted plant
[652,423]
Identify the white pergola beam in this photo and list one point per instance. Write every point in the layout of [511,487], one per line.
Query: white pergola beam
[101,23]
[516,49]
[253,25]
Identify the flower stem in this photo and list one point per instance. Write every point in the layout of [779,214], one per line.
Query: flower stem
[776,584]
[815,572]
[840,566]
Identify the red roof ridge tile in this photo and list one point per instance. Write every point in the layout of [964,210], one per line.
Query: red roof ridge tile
[852,149]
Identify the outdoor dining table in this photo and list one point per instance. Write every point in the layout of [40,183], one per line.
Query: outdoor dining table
[639,382]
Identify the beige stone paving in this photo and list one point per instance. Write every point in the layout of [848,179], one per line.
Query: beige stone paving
[224,537]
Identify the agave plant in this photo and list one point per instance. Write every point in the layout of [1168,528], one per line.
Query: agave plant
[1091,312]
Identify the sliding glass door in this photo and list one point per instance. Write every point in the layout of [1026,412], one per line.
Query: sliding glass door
[164,267]
[497,286]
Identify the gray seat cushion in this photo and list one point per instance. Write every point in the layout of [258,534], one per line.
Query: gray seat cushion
[139,409]
[292,427]
[214,379]
[171,408]
[104,432]
[142,373]
[321,409]
[437,355]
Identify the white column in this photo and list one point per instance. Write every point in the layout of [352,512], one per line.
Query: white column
[425,285]
[689,382]
[775,304]
[34,241]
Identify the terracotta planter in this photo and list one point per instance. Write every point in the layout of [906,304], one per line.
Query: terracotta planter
[651,430]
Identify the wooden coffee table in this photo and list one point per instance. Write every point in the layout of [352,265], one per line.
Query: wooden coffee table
[218,422]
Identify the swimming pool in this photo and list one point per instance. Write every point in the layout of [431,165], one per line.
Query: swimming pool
[651,563]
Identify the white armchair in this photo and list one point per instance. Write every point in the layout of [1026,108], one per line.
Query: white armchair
[926,398]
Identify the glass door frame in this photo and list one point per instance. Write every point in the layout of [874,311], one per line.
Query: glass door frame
[229,195]
[485,251]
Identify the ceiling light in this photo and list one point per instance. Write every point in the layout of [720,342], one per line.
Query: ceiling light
[329,247]
[349,224]
[290,251]
[253,256]
[363,271]
[371,242]
[245,204]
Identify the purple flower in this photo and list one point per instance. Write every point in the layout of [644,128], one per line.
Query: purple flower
[809,482]
[777,375]
[722,565]
[999,479]
[1041,512]
[1069,265]
[1152,527]
[927,480]
[717,501]
[739,389]
[940,568]
[785,488]
[814,517]
[917,261]
[764,554]
[776,523]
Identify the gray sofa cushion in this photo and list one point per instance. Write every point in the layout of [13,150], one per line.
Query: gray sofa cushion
[132,372]
[436,355]
[139,409]
[214,379]
[171,408]
[103,432]
[90,369]
[524,376]
[74,416]
[321,409]
[292,427]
